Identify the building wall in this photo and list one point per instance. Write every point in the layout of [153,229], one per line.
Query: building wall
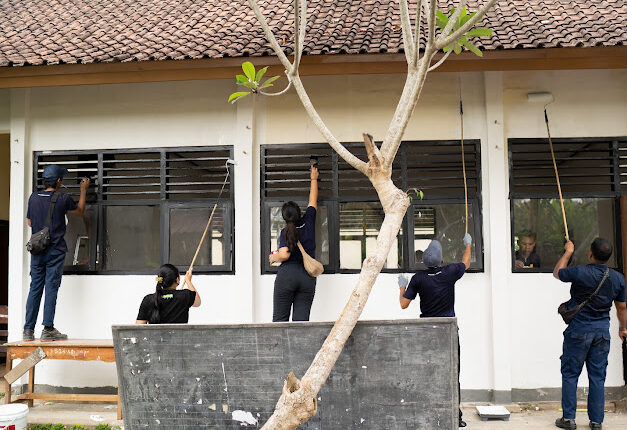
[510,331]
[5,175]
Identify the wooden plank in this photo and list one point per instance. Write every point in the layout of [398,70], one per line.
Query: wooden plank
[108,398]
[29,362]
[103,343]
[57,352]
[7,386]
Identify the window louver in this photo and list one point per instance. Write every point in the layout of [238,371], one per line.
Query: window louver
[196,174]
[79,166]
[131,175]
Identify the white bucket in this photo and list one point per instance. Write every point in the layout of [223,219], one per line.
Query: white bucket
[13,416]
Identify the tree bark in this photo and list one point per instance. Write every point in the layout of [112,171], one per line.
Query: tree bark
[298,402]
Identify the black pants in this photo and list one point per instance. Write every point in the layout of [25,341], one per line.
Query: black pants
[293,287]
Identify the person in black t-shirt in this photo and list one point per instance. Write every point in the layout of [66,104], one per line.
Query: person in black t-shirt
[168,305]
[436,287]
[294,288]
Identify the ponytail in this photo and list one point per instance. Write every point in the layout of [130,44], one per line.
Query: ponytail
[291,215]
[165,279]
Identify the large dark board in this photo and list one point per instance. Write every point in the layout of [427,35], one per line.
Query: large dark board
[391,374]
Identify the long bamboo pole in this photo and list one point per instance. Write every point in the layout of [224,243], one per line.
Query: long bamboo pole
[461,120]
[557,176]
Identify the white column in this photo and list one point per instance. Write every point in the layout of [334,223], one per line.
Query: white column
[21,184]
[244,204]
[498,261]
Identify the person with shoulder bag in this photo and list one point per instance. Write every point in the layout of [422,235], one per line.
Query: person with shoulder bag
[587,338]
[46,217]
[295,282]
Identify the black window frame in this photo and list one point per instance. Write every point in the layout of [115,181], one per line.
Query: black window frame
[164,202]
[335,200]
[616,144]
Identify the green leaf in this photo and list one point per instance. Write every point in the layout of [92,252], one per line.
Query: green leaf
[421,195]
[447,48]
[440,15]
[472,48]
[251,85]
[457,49]
[415,190]
[480,32]
[269,81]
[249,70]
[238,95]
[260,74]
[409,198]
[241,79]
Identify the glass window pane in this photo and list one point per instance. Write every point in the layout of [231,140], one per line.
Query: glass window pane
[322,231]
[538,226]
[446,223]
[359,227]
[186,228]
[132,238]
[79,238]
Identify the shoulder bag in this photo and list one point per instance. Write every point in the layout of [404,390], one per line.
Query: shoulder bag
[569,314]
[312,266]
[40,241]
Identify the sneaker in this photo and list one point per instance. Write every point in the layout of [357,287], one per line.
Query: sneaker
[28,335]
[51,334]
[595,426]
[462,424]
[565,423]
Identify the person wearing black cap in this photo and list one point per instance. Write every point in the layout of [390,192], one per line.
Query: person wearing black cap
[436,287]
[46,268]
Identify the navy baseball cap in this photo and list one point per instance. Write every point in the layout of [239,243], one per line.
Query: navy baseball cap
[54,172]
[432,257]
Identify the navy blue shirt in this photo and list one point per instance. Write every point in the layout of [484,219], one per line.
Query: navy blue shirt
[307,236]
[585,279]
[38,205]
[436,287]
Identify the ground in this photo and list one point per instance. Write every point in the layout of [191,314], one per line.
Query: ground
[525,417]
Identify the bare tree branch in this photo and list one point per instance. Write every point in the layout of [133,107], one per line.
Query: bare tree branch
[453,19]
[270,36]
[319,123]
[283,91]
[417,35]
[296,35]
[303,31]
[408,41]
[433,7]
[439,63]
[445,41]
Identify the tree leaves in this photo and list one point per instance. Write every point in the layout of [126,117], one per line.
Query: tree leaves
[443,19]
[251,79]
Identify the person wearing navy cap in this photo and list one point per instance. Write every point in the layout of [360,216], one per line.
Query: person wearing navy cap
[46,268]
[436,287]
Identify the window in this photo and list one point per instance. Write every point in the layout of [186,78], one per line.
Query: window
[145,208]
[590,177]
[349,211]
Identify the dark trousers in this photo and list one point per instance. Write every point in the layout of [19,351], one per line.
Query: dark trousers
[591,348]
[293,288]
[46,270]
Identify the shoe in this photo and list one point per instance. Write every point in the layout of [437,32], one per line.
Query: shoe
[595,426]
[462,424]
[28,335]
[565,423]
[52,334]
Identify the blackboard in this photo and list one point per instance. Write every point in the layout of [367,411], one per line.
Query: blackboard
[392,375]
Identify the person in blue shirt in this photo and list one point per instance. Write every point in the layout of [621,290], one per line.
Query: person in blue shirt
[46,269]
[436,287]
[294,288]
[587,337]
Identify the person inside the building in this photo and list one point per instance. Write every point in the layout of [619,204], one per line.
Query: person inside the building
[48,208]
[294,288]
[526,256]
[436,287]
[587,337]
[167,305]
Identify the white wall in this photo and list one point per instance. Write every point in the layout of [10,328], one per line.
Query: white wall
[510,332]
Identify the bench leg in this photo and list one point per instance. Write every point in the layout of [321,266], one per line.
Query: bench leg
[31,384]
[7,386]
[119,405]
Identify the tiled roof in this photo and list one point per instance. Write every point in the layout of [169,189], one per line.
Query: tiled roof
[39,32]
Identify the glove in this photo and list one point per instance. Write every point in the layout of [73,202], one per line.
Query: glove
[403,281]
[467,239]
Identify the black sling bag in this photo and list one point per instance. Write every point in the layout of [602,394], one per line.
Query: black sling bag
[569,314]
[40,241]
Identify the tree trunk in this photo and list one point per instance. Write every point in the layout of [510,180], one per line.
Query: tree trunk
[298,403]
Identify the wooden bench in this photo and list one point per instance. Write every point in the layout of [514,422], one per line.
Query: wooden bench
[72,349]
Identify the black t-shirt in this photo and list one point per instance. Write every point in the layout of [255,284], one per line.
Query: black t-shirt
[38,205]
[436,287]
[307,236]
[532,261]
[173,306]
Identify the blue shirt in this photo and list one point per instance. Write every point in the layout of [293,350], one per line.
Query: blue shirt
[595,316]
[38,205]
[436,287]
[307,236]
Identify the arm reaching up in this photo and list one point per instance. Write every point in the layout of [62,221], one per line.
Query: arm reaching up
[569,248]
[467,250]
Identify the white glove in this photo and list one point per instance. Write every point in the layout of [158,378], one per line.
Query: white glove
[403,280]
[467,239]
